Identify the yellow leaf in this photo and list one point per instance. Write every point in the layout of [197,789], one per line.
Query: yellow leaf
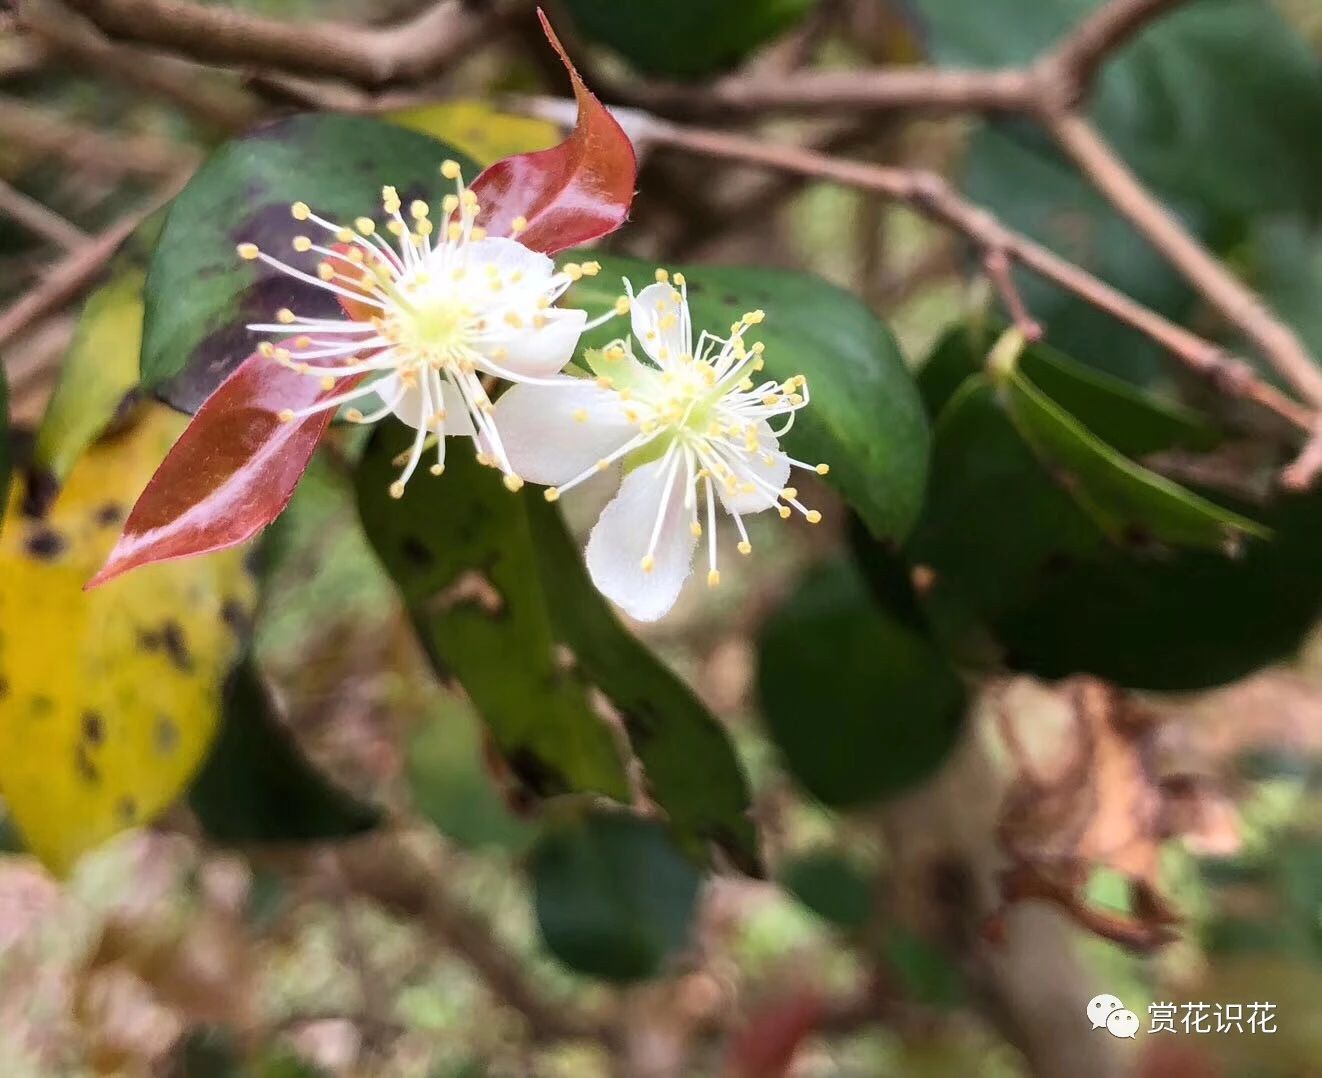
[109,699]
[483,133]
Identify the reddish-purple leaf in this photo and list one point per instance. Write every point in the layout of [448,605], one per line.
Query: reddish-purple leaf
[572,193]
[232,471]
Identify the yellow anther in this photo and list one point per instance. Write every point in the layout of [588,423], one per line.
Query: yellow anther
[284,315]
[301,211]
[450,169]
[248,251]
[581,415]
[397,489]
[365,225]
[390,197]
[573,271]
[551,494]
[713,578]
[614,353]
[695,529]
[344,235]
[325,271]
[395,228]
[679,280]
[353,415]
[605,383]
[477,234]
[513,483]
[302,243]
[423,227]
[813,517]
[622,305]
[468,197]
[356,256]
[789,492]
[745,547]
[752,318]
[662,276]
[784,511]
[519,224]
[603,464]
[591,269]
[449,204]
[513,319]
[648,563]
[328,382]
[455,232]
[822,469]
[771,400]
[267,349]
[285,415]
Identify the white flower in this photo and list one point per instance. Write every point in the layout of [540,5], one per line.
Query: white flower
[693,431]
[425,318]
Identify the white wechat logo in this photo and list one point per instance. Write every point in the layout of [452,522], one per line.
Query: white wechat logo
[1122,1023]
[1100,1008]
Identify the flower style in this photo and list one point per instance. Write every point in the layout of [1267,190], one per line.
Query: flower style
[425,318]
[693,432]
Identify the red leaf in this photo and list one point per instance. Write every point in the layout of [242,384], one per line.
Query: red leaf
[572,193]
[231,472]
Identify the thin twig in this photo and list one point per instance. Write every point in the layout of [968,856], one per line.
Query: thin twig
[1001,272]
[40,220]
[363,55]
[1103,32]
[46,132]
[930,195]
[1234,300]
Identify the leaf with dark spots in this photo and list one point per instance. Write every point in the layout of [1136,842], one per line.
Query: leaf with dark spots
[200,294]
[483,615]
[572,193]
[689,763]
[232,471]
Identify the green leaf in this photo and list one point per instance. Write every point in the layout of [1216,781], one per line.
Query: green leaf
[1186,91]
[832,886]
[614,897]
[860,705]
[1013,554]
[685,38]
[462,556]
[865,419]
[200,294]
[256,785]
[690,765]
[1129,502]
[98,376]
[1131,421]
[452,788]
[927,975]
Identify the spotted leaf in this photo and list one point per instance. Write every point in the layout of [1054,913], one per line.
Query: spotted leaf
[108,700]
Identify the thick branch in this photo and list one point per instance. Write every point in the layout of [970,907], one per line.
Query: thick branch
[46,132]
[362,55]
[1235,301]
[39,219]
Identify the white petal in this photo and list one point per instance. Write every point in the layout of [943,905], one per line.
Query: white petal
[768,464]
[620,538]
[410,407]
[509,256]
[654,305]
[553,433]
[537,352]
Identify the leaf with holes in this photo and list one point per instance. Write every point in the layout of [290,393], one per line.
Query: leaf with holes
[688,761]
[614,897]
[108,700]
[462,556]
[860,705]
[865,420]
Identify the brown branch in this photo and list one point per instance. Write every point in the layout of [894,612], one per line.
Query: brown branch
[67,280]
[75,42]
[397,877]
[40,220]
[1081,52]
[1235,301]
[930,195]
[46,132]
[363,55]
